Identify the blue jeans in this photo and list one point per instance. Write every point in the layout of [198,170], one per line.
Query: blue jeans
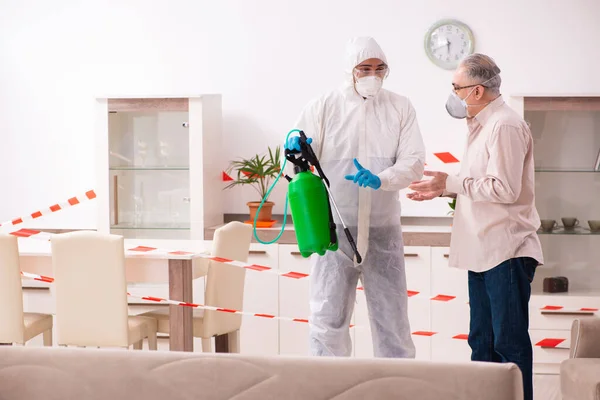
[499,302]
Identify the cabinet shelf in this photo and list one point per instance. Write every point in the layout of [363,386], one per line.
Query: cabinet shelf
[156,227]
[580,231]
[149,168]
[551,169]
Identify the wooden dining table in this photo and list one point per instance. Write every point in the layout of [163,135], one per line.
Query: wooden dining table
[178,262]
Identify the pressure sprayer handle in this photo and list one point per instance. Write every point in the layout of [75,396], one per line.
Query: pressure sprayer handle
[353,245]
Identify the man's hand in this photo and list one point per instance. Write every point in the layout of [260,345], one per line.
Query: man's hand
[435,185]
[364,177]
[421,196]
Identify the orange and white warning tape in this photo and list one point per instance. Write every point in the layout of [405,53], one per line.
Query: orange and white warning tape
[227,261]
[37,277]
[558,343]
[184,304]
[220,309]
[73,201]
[547,343]
[442,298]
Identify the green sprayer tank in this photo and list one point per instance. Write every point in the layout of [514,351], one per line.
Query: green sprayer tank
[310,211]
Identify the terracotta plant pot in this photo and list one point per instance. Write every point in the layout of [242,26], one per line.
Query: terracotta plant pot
[266,212]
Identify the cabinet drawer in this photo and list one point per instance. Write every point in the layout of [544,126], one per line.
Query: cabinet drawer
[260,336]
[558,312]
[447,347]
[293,302]
[445,280]
[417,261]
[38,297]
[450,317]
[550,346]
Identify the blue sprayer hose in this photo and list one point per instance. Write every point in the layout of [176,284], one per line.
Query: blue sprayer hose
[269,193]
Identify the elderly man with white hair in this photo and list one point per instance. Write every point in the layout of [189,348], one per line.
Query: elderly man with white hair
[495,222]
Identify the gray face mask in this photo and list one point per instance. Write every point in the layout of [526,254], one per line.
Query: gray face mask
[457,107]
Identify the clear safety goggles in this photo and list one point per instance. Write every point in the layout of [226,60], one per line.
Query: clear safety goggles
[381,72]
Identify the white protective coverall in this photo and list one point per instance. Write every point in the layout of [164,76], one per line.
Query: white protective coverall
[383,134]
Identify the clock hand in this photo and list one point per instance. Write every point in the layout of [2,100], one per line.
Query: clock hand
[441,45]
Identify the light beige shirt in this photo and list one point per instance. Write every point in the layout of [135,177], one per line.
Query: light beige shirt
[495,217]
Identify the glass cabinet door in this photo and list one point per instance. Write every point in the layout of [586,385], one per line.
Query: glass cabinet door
[149,174]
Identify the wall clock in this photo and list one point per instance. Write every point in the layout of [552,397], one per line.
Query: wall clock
[447,42]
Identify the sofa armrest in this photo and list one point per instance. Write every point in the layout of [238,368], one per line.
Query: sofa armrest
[585,338]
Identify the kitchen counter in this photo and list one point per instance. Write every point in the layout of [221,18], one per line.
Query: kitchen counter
[413,234]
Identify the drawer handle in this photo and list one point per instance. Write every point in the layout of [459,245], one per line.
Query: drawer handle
[257,252]
[35,288]
[567,312]
[446,255]
[295,253]
[411,255]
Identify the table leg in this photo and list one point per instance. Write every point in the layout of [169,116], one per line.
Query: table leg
[180,318]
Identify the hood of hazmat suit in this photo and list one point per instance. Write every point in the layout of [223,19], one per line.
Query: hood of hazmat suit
[383,134]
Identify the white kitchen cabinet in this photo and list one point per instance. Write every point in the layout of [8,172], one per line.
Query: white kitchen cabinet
[449,309]
[417,266]
[38,297]
[260,336]
[159,166]
[557,311]
[293,302]
[565,163]
[550,348]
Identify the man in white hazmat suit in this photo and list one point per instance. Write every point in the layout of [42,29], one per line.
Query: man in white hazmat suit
[369,145]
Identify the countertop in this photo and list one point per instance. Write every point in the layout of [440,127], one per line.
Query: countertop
[414,234]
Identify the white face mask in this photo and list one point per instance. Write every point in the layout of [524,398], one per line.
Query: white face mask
[368,86]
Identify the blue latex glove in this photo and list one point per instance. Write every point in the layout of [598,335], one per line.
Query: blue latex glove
[364,177]
[293,143]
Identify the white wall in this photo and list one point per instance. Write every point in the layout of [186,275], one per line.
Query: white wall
[267,58]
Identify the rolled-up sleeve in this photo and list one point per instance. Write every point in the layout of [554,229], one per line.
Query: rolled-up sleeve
[410,156]
[507,147]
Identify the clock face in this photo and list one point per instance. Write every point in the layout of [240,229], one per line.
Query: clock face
[447,42]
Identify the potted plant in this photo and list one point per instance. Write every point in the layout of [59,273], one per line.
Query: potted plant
[452,205]
[257,172]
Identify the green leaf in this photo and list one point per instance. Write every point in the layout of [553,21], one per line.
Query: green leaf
[452,204]
[256,171]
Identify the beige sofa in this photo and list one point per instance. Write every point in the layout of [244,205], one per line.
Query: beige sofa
[90,374]
[580,374]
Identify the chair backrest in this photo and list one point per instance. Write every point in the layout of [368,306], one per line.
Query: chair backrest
[91,292]
[225,283]
[12,327]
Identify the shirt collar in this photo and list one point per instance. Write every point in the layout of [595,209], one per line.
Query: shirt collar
[484,115]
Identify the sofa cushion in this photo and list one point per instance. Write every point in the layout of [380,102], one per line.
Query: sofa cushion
[71,373]
[580,379]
